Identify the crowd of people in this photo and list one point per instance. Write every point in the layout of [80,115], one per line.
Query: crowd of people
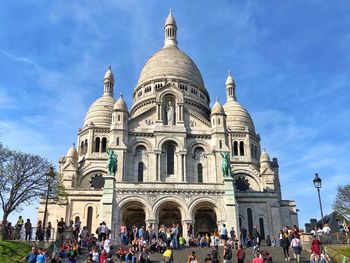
[138,243]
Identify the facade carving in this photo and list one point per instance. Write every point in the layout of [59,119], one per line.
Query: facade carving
[169,147]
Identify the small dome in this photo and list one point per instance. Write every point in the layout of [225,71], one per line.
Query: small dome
[170,20]
[109,75]
[237,117]
[217,108]
[264,157]
[120,104]
[72,152]
[229,80]
[100,112]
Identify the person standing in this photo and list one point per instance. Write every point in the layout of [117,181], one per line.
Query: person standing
[223,232]
[19,225]
[28,229]
[227,256]
[240,254]
[61,225]
[296,246]
[192,258]
[285,245]
[215,254]
[168,255]
[48,231]
[316,246]
[243,236]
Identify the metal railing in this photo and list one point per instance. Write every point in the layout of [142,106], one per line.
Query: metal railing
[335,238]
[335,255]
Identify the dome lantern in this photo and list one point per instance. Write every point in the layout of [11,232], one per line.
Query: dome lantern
[108,82]
[230,87]
[170,29]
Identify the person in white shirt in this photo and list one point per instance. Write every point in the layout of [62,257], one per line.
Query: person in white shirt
[326,229]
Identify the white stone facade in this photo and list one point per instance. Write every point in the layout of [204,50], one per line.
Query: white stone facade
[169,149]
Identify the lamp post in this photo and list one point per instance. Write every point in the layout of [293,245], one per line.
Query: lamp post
[317,182]
[50,175]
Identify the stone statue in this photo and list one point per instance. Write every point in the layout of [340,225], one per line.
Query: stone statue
[112,162]
[169,113]
[225,166]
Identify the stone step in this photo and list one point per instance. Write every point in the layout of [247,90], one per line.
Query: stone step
[180,256]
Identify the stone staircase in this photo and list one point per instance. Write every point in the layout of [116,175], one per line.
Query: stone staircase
[180,256]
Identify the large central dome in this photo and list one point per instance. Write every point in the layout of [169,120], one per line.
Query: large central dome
[171,61]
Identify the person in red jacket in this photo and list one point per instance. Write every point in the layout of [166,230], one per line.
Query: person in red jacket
[316,246]
[240,254]
[258,258]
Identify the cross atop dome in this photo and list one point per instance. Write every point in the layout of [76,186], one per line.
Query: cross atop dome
[170,29]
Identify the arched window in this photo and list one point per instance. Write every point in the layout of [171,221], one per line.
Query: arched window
[82,150]
[252,150]
[89,218]
[241,148]
[170,156]
[250,221]
[235,148]
[213,121]
[240,222]
[118,117]
[86,146]
[256,152]
[220,142]
[219,121]
[140,172]
[117,141]
[262,229]
[200,173]
[104,144]
[97,144]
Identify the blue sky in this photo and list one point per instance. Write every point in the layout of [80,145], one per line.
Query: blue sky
[290,61]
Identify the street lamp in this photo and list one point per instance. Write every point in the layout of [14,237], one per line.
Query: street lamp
[49,176]
[317,182]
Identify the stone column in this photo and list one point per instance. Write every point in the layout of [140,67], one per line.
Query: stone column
[185,224]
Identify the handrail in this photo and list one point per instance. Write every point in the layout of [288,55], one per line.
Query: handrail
[336,256]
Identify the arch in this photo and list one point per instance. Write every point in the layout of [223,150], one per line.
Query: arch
[207,202]
[170,199]
[165,140]
[250,220]
[235,148]
[89,216]
[76,219]
[262,227]
[199,143]
[132,213]
[127,201]
[254,180]
[170,159]
[200,173]
[241,148]
[82,150]
[86,146]
[140,172]
[144,142]
[172,91]
[205,220]
[104,145]
[97,144]
[84,179]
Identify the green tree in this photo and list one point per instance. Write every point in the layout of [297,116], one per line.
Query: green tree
[342,201]
[23,179]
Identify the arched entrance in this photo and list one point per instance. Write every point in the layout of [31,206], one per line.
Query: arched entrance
[133,213]
[169,213]
[205,220]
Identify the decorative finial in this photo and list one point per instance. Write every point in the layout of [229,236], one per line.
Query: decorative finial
[110,67]
[73,144]
[121,94]
[170,11]
[229,72]
[217,99]
[264,150]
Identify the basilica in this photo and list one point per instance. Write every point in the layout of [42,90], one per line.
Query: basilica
[169,148]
